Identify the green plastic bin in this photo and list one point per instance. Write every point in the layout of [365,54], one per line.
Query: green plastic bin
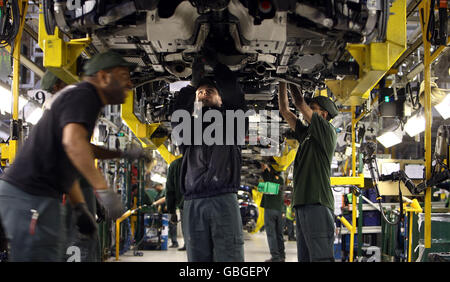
[269,188]
[440,235]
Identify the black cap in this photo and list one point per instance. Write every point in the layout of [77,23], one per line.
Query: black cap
[207,81]
[106,60]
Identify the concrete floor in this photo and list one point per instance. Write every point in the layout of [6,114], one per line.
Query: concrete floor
[256,249]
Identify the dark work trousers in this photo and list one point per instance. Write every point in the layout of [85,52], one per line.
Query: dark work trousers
[273,220]
[43,241]
[290,228]
[173,232]
[213,229]
[81,248]
[182,225]
[315,233]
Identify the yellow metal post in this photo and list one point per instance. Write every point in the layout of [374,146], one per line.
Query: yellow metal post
[411,214]
[352,232]
[424,11]
[13,144]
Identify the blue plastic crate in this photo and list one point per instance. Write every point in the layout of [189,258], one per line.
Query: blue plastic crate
[371,218]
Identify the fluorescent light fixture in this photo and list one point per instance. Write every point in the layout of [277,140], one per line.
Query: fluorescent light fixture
[390,138]
[177,85]
[415,125]
[443,107]
[35,116]
[158,178]
[6,100]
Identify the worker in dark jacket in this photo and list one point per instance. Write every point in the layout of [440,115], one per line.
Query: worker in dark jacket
[313,198]
[210,174]
[273,215]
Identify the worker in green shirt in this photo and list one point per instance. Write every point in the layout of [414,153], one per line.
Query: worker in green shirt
[161,200]
[273,215]
[174,197]
[313,198]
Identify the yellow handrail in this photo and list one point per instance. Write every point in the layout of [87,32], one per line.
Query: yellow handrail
[118,221]
[411,206]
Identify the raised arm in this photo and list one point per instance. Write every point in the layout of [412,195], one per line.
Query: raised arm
[300,103]
[283,103]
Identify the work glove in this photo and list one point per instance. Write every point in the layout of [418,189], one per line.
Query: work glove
[100,211]
[84,219]
[133,153]
[111,202]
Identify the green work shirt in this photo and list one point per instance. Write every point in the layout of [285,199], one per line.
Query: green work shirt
[174,197]
[274,202]
[312,165]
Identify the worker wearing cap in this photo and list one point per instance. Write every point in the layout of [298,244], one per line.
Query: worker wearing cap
[312,198]
[273,214]
[210,174]
[56,153]
[51,83]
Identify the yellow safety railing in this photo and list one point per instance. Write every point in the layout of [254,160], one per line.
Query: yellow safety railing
[411,206]
[118,222]
[428,58]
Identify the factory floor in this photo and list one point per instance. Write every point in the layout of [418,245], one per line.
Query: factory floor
[256,249]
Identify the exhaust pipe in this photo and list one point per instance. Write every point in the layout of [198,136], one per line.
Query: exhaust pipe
[179,69]
[260,69]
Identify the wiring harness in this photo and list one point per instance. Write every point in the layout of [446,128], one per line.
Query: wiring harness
[9,22]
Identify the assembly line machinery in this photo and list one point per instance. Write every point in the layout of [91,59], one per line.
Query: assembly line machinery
[375,61]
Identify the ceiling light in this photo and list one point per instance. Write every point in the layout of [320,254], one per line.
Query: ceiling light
[6,100]
[415,125]
[391,136]
[158,178]
[443,107]
[390,139]
[35,116]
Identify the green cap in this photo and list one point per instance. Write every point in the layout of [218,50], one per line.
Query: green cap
[326,104]
[106,60]
[48,81]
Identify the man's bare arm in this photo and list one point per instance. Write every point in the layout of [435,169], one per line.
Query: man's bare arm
[79,150]
[300,103]
[103,153]
[283,104]
[159,202]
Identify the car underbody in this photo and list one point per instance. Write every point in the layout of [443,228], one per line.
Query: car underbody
[263,41]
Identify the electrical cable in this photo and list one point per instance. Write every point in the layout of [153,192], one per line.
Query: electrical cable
[369,158]
[9,23]
[431,35]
